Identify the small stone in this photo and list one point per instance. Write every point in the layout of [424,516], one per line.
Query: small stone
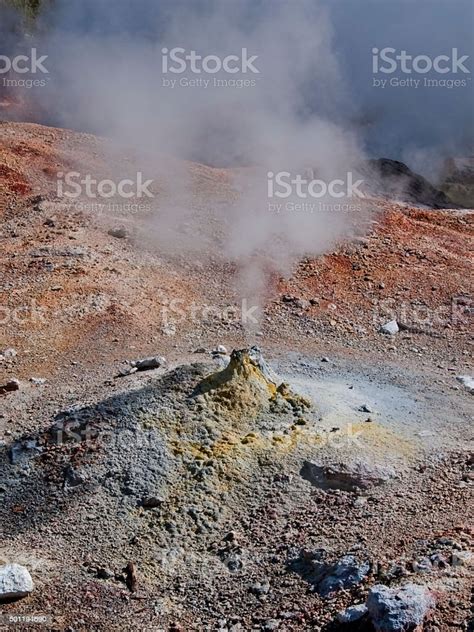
[325,359]
[328,578]
[9,353]
[462,558]
[302,303]
[438,561]
[151,502]
[37,381]
[353,613]
[365,408]
[127,371]
[446,541]
[390,328]
[15,582]
[348,477]
[467,381]
[422,565]
[72,478]
[169,329]
[10,386]
[260,588]
[119,233]
[146,364]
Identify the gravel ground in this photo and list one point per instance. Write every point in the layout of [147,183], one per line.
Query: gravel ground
[218,509]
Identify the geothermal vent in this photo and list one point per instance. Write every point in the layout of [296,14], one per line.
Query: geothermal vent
[247,385]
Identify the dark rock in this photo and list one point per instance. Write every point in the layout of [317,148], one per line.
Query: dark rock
[345,477]
[327,578]
[147,364]
[119,233]
[397,181]
[151,502]
[72,478]
[10,386]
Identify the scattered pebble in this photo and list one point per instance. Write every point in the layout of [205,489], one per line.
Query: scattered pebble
[467,381]
[37,381]
[119,233]
[353,613]
[390,328]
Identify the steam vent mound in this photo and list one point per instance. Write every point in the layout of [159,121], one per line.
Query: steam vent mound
[247,386]
[171,460]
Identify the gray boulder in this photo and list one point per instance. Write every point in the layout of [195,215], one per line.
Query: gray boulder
[15,582]
[400,609]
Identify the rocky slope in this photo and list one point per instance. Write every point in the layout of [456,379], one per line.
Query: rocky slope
[200,497]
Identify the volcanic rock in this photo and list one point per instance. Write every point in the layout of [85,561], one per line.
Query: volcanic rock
[467,381]
[398,609]
[346,477]
[390,328]
[15,582]
[327,578]
[10,386]
[353,613]
[396,180]
[148,363]
[119,233]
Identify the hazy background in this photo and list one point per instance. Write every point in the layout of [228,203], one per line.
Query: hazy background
[312,105]
[315,61]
